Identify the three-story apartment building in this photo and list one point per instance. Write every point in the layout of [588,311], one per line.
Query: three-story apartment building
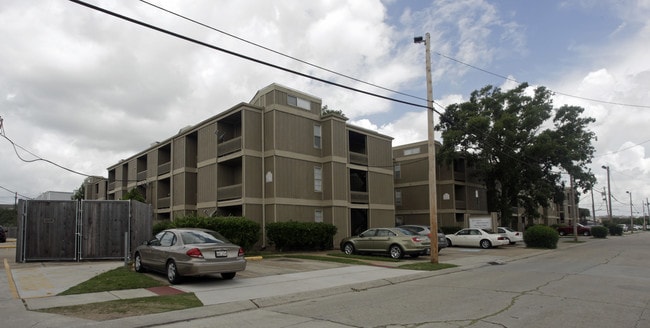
[275,158]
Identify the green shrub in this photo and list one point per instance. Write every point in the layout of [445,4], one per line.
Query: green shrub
[450,230]
[615,230]
[238,230]
[599,232]
[294,235]
[541,236]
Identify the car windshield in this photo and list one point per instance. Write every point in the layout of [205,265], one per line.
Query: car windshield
[202,237]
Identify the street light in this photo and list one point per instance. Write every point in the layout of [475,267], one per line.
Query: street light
[609,195]
[631,217]
[433,208]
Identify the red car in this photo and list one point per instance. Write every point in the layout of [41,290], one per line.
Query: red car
[568,230]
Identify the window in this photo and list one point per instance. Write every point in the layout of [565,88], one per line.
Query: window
[298,102]
[398,198]
[318,216]
[398,171]
[318,178]
[317,136]
[411,151]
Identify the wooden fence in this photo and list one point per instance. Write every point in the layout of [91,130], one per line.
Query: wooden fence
[80,230]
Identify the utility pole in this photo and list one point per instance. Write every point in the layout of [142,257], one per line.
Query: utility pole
[631,216]
[433,206]
[573,210]
[609,194]
[593,206]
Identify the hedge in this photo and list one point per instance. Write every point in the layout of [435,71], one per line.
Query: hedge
[541,236]
[299,236]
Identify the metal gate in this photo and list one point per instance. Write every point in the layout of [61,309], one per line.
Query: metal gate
[80,230]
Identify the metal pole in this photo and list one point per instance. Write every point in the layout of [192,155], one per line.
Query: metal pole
[609,195]
[631,217]
[433,208]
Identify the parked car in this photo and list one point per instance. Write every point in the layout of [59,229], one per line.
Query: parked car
[568,230]
[426,231]
[3,234]
[476,238]
[511,235]
[190,252]
[395,242]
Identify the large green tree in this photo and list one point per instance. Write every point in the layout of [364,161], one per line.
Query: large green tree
[520,145]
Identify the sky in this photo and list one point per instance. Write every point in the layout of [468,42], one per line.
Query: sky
[83,89]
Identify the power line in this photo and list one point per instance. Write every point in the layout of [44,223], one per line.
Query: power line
[14,192]
[259,61]
[38,158]
[556,92]
[280,53]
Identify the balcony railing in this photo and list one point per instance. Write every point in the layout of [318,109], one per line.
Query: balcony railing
[163,202]
[359,197]
[461,205]
[229,192]
[142,175]
[358,158]
[164,168]
[111,185]
[229,146]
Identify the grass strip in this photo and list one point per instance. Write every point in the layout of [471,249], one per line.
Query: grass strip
[116,279]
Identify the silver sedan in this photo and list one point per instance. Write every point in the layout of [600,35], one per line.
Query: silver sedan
[189,252]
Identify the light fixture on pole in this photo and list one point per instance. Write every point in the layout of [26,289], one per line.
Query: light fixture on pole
[609,195]
[433,208]
[631,216]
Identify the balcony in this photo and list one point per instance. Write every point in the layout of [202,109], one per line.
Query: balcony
[358,158]
[142,175]
[461,205]
[164,168]
[229,146]
[229,192]
[163,202]
[359,197]
[111,185]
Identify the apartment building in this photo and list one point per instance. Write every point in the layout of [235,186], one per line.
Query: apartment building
[275,158]
[460,194]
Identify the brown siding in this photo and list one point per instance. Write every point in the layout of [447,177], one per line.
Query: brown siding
[252,129]
[380,188]
[253,177]
[295,134]
[207,183]
[207,143]
[295,179]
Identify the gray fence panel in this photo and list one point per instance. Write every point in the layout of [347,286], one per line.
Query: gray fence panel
[103,225]
[48,231]
[141,224]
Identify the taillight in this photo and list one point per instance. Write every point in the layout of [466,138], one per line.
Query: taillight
[517,234]
[241,252]
[194,252]
[417,239]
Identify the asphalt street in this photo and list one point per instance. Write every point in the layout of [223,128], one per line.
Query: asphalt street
[266,283]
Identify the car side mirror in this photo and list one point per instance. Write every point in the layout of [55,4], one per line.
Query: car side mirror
[153,242]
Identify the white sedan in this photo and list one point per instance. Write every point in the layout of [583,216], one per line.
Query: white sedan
[476,237]
[512,236]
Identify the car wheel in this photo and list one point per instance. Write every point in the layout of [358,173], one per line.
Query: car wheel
[228,275]
[396,252]
[172,273]
[348,249]
[137,263]
[485,244]
[449,243]
[562,233]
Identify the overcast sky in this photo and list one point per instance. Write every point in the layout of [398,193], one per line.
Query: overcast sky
[84,89]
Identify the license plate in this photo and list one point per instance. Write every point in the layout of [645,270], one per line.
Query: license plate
[221,253]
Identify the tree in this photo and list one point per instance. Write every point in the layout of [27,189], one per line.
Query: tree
[79,193]
[326,111]
[520,145]
[134,194]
